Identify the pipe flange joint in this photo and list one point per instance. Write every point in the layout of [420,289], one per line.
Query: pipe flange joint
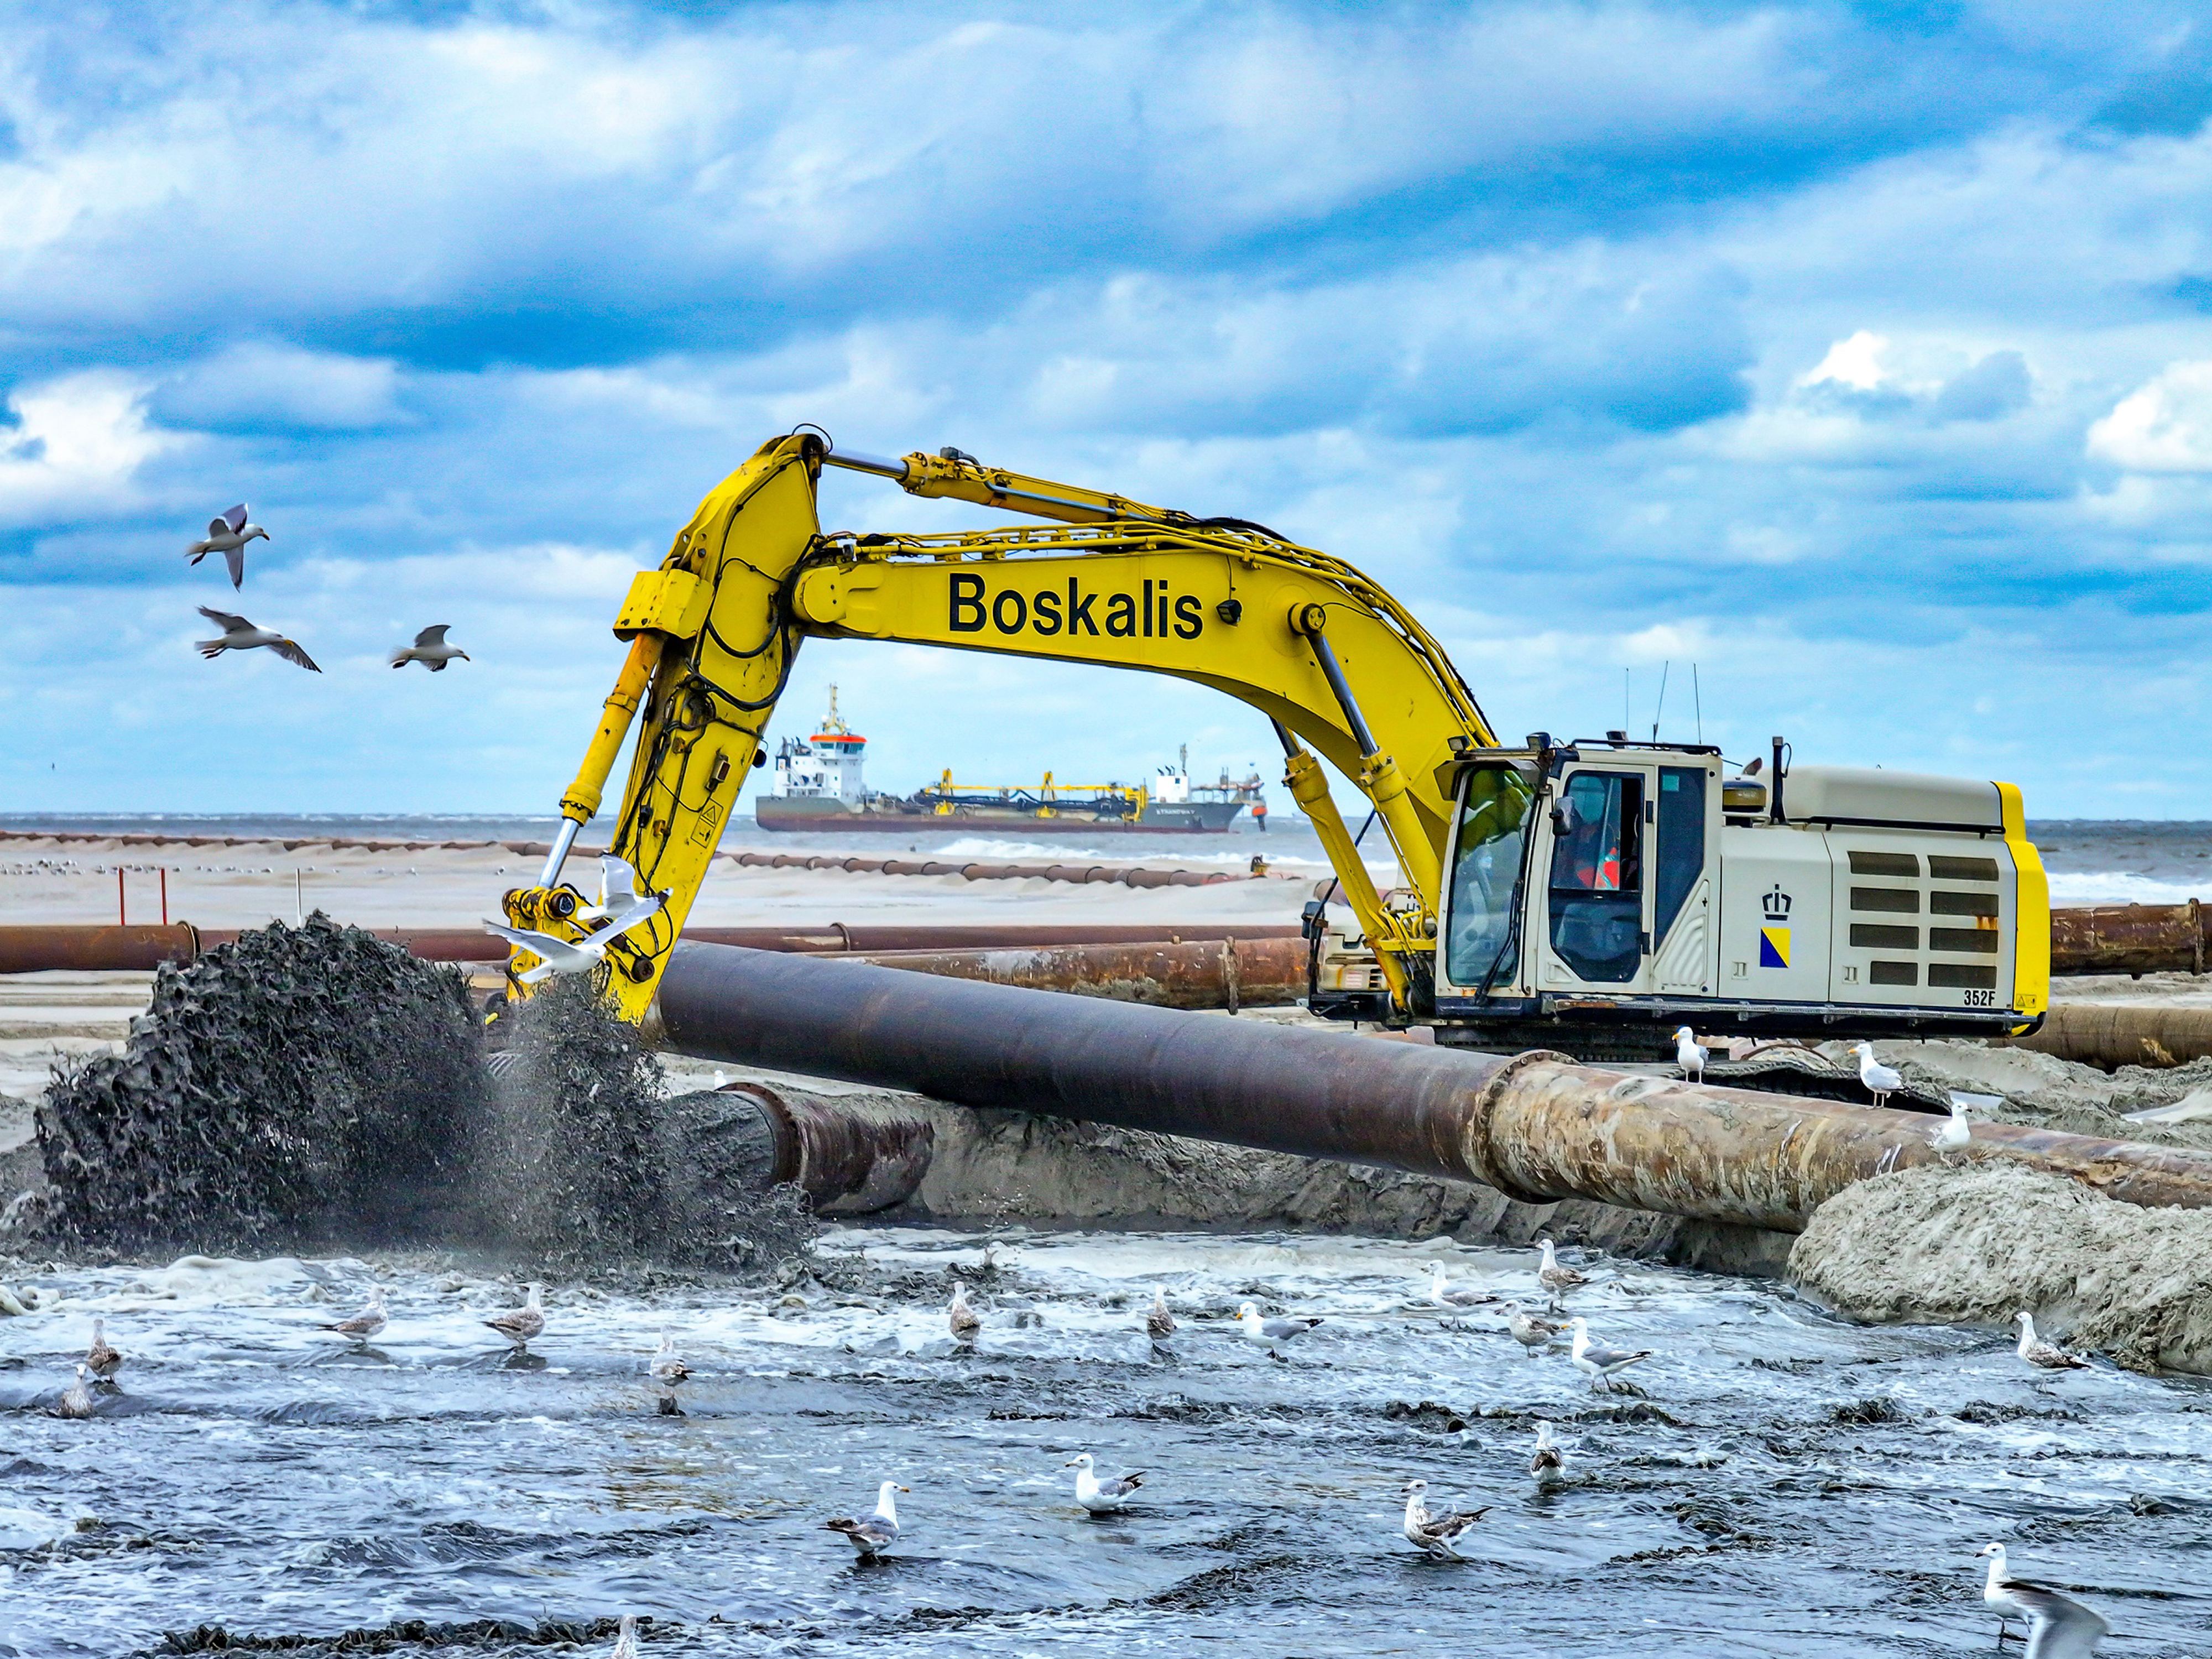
[1474,1135]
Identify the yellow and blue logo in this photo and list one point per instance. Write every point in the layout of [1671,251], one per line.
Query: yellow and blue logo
[1774,947]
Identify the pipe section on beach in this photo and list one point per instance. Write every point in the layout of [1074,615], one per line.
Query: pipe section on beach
[1537,1126]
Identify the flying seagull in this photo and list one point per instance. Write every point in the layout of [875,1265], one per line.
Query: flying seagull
[431,650]
[1271,1334]
[359,1327]
[1530,1332]
[1881,1081]
[519,1325]
[228,535]
[2058,1626]
[563,956]
[1599,1363]
[1159,1323]
[1690,1054]
[871,1534]
[239,634]
[1435,1534]
[1554,1278]
[101,1360]
[1101,1497]
[1445,1295]
[2044,1356]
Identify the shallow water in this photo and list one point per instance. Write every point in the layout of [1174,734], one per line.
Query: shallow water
[254,1472]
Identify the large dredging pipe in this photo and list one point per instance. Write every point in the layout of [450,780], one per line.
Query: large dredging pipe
[1536,1126]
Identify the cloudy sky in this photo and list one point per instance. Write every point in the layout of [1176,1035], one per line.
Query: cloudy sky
[1859,354]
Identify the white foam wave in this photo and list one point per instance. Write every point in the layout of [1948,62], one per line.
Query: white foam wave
[2117,887]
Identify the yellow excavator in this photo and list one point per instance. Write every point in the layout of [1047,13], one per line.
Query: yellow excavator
[1590,895]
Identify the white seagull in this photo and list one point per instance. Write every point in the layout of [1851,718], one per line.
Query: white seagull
[617,893]
[1102,1497]
[1547,1466]
[2058,1626]
[101,1360]
[626,1639]
[1526,1328]
[1554,1278]
[666,1367]
[1690,1055]
[871,1535]
[1881,1081]
[962,1320]
[1159,1323]
[1599,1363]
[227,535]
[359,1327]
[2045,1356]
[431,650]
[239,634]
[519,1325]
[1446,1295]
[1435,1534]
[562,955]
[1955,1133]
[1271,1334]
[76,1399]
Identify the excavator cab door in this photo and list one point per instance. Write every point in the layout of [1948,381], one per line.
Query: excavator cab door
[1597,918]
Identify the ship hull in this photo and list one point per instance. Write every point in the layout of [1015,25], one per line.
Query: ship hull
[817,815]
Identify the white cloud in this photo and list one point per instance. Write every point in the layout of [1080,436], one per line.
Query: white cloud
[76,448]
[1855,363]
[2163,427]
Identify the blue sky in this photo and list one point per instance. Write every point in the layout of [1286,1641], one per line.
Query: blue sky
[1861,354]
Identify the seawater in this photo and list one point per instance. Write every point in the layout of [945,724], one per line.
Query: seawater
[1790,1486]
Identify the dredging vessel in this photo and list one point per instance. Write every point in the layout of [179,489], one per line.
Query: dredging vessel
[819,787]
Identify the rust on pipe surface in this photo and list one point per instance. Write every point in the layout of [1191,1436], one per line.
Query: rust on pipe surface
[95,950]
[850,1157]
[2116,1034]
[1537,1126]
[1224,973]
[2131,938]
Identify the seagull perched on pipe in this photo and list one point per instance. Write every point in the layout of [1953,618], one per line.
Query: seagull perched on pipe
[1271,1334]
[431,650]
[2045,1356]
[1599,1363]
[871,1534]
[239,634]
[1435,1534]
[1881,1081]
[1102,1497]
[562,955]
[228,535]
[1955,1133]
[1690,1054]
[2058,1626]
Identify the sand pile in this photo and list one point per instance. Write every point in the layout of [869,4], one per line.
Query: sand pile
[1975,1244]
[301,1083]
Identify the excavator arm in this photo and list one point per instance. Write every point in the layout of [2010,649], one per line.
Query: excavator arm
[1328,656]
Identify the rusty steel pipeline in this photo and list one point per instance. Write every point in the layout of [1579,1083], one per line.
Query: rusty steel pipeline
[2131,938]
[2115,1034]
[1225,973]
[1537,1126]
[850,1157]
[96,949]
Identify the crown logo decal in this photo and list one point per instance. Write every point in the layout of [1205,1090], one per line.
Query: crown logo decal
[1777,904]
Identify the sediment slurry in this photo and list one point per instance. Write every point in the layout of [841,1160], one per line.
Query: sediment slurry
[1976,1244]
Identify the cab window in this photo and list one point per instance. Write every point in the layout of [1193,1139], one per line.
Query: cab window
[1482,945]
[1597,876]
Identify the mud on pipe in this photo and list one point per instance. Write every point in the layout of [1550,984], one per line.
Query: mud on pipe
[1537,1126]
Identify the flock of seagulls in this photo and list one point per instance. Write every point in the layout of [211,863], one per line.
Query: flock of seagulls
[1951,1135]
[228,534]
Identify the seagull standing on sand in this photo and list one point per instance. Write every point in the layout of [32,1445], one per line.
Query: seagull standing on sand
[76,1399]
[1102,1497]
[1271,1334]
[519,1325]
[1547,1466]
[1445,1295]
[1554,1278]
[103,1361]
[431,650]
[1690,1055]
[359,1327]
[1159,1323]
[1955,1133]
[962,1320]
[1881,1081]
[1526,1328]
[626,1639]
[2045,1356]
[1435,1534]
[562,955]
[228,535]
[2059,1627]
[871,1534]
[239,634]
[1599,1363]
